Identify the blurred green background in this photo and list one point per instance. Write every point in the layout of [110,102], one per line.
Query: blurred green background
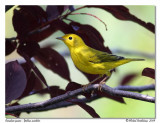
[123,35]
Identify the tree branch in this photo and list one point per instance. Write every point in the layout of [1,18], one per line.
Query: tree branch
[136,88]
[63,104]
[58,101]
[128,94]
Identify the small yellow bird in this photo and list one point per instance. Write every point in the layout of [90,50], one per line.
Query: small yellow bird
[90,60]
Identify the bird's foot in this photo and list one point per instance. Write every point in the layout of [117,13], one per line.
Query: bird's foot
[102,82]
[100,85]
[85,86]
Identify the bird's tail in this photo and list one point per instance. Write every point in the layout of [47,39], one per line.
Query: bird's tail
[126,60]
[135,59]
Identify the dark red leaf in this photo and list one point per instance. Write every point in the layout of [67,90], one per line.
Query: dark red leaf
[122,13]
[38,84]
[56,91]
[53,91]
[47,29]
[149,72]
[10,46]
[33,83]
[44,31]
[87,108]
[65,28]
[116,98]
[127,79]
[73,86]
[29,87]
[34,68]
[15,81]
[30,80]
[27,18]
[54,11]
[31,24]
[30,48]
[52,60]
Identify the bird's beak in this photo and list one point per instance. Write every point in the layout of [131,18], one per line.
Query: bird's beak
[60,38]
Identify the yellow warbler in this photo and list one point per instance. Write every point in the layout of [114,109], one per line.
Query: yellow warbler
[90,60]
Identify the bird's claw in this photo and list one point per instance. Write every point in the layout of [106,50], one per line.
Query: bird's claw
[100,86]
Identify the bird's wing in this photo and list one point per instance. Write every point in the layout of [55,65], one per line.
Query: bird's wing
[100,57]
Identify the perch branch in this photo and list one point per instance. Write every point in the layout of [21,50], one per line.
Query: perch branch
[136,88]
[57,100]
[63,104]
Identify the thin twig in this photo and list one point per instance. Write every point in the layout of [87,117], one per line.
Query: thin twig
[68,95]
[92,16]
[65,16]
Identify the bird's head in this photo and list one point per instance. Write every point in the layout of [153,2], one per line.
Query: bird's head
[72,40]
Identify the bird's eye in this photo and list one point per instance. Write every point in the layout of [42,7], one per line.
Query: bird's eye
[70,38]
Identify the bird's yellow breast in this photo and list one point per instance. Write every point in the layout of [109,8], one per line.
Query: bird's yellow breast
[83,64]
